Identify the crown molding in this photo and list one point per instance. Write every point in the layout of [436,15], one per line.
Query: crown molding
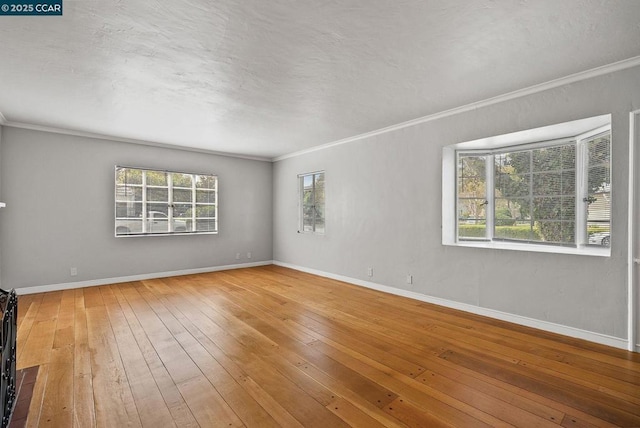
[573,78]
[97,136]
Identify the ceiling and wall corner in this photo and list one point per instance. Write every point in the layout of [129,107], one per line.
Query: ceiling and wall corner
[266,79]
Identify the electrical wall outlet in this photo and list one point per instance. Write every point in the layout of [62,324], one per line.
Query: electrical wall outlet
[249,255]
[237,256]
[409,279]
[73,271]
[369,271]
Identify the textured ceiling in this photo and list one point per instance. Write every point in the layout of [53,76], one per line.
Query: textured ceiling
[267,78]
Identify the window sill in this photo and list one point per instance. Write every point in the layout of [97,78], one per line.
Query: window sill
[582,251]
[141,235]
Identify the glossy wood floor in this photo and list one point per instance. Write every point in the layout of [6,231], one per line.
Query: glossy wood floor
[269,347]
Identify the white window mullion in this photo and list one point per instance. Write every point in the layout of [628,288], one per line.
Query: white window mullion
[215,201]
[170,201]
[144,202]
[581,193]
[490,195]
[300,203]
[193,203]
[532,220]
[313,202]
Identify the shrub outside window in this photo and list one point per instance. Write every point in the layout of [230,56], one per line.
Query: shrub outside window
[152,202]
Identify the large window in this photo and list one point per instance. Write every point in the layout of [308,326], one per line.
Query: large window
[150,202]
[312,202]
[555,192]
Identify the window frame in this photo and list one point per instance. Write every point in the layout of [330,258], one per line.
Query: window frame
[171,203]
[450,223]
[301,205]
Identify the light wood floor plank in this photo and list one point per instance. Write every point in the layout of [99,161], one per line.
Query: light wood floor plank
[113,400]
[180,412]
[270,347]
[148,399]
[84,413]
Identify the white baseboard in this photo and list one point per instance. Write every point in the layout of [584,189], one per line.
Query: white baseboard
[141,277]
[603,339]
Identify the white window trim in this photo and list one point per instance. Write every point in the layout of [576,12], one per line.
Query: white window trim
[488,146]
[301,207]
[171,232]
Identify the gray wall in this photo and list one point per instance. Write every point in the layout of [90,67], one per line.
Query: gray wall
[59,191]
[384,210]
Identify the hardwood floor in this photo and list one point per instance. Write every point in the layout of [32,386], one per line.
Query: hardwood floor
[269,347]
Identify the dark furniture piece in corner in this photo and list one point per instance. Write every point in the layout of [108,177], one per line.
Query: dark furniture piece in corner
[9,308]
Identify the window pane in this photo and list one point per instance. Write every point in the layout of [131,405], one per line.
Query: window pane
[511,210]
[206,196]
[205,211]
[568,208]
[206,181]
[128,226]
[128,209]
[472,211]
[547,208]
[128,176]
[512,178]
[307,222]
[128,193]
[158,208]
[156,178]
[546,184]
[599,178]
[568,153]
[535,190]
[568,231]
[182,180]
[568,182]
[472,197]
[157,222]
[547,159]
[209,225]
[599,190]
[599,150]
[182,195]
[308,181]
[319,202]
[473,230]
[157,195]
[308,216]
[551,231]
[553,167]
[518,230]
[182,210]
